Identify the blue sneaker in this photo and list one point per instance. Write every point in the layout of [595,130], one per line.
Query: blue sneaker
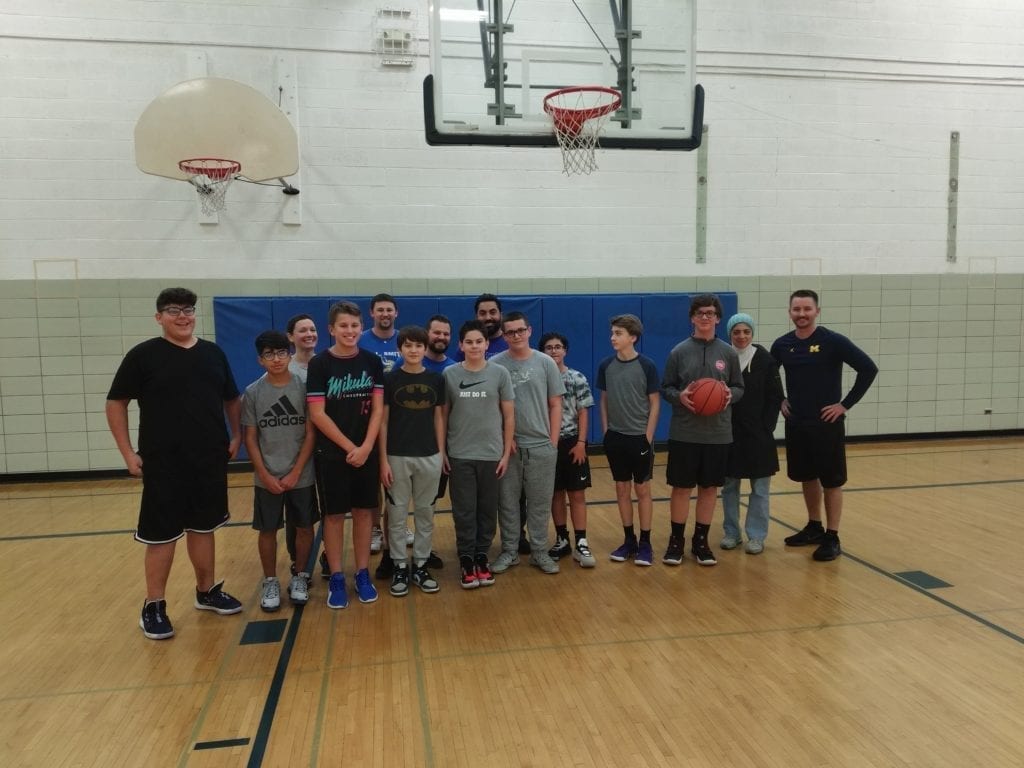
[624,552]
[337,597]
[364,587]
[644,553]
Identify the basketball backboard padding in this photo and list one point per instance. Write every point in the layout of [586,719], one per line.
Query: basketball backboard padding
[216,117]
[492,64]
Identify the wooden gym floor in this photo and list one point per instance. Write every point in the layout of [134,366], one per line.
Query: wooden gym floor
[907,651]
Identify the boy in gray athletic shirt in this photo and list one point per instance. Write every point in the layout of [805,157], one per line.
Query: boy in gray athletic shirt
[630,401]
[479,421]
[279,439]
[531,468]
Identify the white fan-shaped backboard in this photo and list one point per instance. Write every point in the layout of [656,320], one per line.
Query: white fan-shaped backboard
[216,117]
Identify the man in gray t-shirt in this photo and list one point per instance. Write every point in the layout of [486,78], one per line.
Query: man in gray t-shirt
[531,469]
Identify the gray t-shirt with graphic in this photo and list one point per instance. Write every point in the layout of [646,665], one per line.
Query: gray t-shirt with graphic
[279,416]
[474,417]
[534,379]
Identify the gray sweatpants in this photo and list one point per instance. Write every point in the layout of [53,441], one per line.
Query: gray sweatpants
[531,470]
[415,479]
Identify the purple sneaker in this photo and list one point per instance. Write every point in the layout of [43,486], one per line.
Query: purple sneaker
[644,553]
[624,552]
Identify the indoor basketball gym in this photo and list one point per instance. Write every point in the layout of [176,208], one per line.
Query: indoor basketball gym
[579,159]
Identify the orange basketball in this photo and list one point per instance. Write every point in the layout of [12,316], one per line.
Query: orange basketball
[709,397]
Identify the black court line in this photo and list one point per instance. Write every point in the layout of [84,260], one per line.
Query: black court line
[259,742]
[590,502]
[221,744]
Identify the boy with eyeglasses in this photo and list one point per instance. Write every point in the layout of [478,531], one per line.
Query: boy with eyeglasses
[698,445]
[572,468]
[538,391]
[184,388]
[279,439]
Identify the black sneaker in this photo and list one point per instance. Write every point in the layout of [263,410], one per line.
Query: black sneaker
[561,549]
[154,622]
[674,553]
[386,569]
[217,600]
[421,578]
[434,561]
[703,554]
[325,569]
[400,582]
[828,549]
[812,533]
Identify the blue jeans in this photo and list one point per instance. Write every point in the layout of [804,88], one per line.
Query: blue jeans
[757,507]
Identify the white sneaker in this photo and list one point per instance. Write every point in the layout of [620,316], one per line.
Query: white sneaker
[298,589]
[755,546]
[504,561]
[731,542]
[376,540]
[270,599]
[409,537]
[582,554]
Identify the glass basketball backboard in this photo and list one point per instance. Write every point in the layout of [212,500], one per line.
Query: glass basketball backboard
[494,61]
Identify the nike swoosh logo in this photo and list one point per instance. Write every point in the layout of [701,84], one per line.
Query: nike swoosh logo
[643,453]
[584,477]
[464,385]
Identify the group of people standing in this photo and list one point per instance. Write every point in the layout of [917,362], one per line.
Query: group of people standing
[503,423]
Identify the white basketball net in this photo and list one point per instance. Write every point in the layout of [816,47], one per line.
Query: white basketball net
[578,118]
[211,178]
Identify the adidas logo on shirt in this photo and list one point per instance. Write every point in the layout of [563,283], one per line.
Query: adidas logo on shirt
[281,414]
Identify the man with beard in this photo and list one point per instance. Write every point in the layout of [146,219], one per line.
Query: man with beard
[488,311]
[381,338]
[439,336]
[813,358]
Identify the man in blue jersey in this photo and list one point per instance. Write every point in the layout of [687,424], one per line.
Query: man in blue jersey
[815,410]
[439,337]
[382,338]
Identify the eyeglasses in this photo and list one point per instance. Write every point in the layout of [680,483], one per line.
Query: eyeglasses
[553,347]
[516,331]
[176,311]
[275,354]
[708,314]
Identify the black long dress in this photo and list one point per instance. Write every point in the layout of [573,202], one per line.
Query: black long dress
[753,452]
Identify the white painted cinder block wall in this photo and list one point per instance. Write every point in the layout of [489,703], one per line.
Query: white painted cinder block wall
[828,162]
[828,150]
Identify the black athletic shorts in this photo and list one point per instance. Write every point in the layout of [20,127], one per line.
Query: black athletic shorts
[568,475]
[816,452]
[630,457]
[342,487]
[179,496]
[268,509]
[701,465]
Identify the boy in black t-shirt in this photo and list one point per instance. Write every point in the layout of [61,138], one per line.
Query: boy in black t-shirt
[410,458]
[345,393]
[185,389]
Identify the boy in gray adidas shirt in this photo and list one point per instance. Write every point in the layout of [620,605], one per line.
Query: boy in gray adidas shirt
[279,439]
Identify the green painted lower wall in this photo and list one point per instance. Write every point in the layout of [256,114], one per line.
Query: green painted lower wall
[949,346]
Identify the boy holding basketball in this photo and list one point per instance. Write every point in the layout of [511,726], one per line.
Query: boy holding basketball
[628,382]
[698,440]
